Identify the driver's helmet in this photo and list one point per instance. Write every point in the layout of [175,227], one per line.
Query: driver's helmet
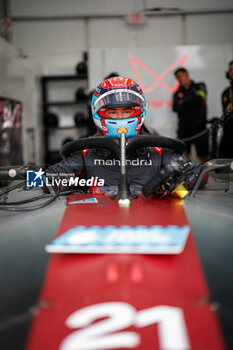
[118,92]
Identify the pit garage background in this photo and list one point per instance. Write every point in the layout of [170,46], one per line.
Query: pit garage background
[153,68]
[51,37]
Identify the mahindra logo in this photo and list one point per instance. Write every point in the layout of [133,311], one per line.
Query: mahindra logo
[133,162]
[158,79]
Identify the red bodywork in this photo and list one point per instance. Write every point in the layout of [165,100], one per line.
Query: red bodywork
[138,282]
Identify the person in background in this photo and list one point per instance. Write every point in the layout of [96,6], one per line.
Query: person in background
[189,101]
[226,143]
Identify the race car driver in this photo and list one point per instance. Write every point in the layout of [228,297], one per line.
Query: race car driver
[119,103]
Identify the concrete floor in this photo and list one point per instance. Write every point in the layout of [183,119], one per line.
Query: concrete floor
[211,217]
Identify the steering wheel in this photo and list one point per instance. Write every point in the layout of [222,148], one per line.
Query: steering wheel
[114,146]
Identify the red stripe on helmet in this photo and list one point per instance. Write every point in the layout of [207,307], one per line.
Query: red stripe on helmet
[104,124]
[158,149]
[84,151]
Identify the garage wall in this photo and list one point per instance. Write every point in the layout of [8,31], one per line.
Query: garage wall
[57,44]
[90,7]
[54,33]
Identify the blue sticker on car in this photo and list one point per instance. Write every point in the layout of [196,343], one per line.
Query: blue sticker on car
[124,239]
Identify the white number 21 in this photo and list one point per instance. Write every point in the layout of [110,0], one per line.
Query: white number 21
[172,331]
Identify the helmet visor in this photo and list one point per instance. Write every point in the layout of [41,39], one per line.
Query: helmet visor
[119,98]
[128,112]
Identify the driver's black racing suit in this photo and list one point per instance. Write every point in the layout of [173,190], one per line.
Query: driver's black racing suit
[190,104]
[226,143]
[141,166]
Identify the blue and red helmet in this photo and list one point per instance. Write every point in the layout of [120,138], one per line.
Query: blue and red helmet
[118,92]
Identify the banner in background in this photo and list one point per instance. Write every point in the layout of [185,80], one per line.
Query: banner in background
[10,132]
